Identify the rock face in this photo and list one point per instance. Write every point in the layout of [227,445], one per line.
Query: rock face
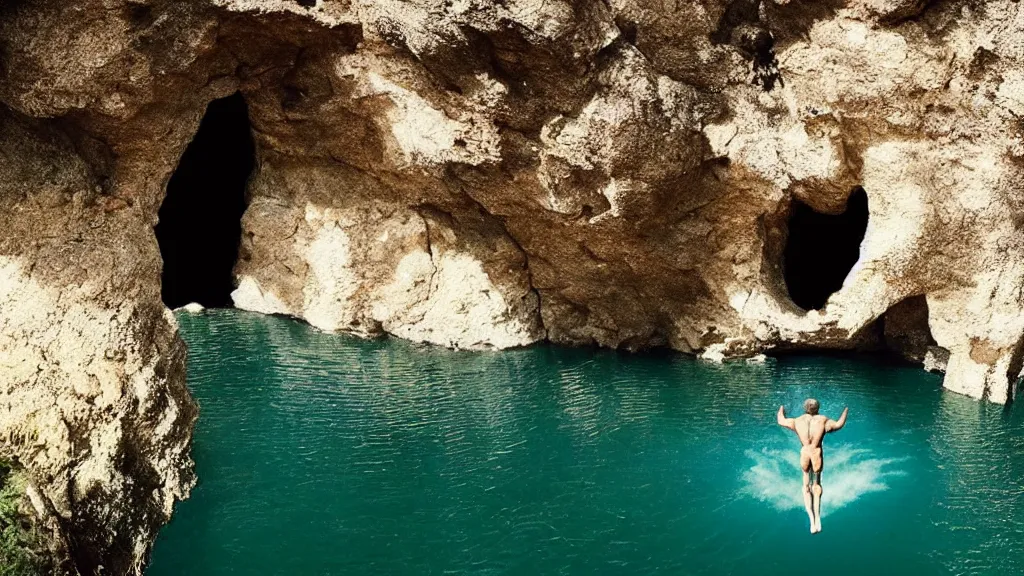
[92,397]
[486,175]
[622,175]
[93,404]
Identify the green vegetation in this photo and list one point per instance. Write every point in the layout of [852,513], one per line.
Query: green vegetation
[18,540]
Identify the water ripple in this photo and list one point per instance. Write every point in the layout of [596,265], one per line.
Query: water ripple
[321,454]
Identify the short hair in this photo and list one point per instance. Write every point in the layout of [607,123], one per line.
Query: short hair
[811,406]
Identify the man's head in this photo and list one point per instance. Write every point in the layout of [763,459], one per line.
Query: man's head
[811,406]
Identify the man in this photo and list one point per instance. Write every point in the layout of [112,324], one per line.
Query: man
[811,429]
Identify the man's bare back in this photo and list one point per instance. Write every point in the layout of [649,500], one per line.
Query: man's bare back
[811,429]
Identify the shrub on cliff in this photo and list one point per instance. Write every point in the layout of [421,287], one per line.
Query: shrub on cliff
[18,539]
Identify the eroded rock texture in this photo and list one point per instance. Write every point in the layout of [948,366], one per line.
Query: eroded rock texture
[93,403]
[621,174]
[489,174]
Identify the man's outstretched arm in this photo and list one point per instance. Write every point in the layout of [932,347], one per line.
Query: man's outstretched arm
[788,422]
[833,425]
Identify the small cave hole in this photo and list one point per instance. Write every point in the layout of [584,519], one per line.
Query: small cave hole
[200,219]
[627,29]
[822,249]
[761,48]
[905,329]
[140,15]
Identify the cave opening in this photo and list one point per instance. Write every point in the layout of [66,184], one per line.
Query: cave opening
[906,332]
[200,219]
[821,249]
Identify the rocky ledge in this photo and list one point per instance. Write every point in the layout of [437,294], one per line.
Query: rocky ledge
[485,175]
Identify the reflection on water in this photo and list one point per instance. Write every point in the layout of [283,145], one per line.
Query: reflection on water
[321,454]
[776,478]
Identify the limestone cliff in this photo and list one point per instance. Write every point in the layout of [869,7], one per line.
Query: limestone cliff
[93,404]
[489,174]
[621,174]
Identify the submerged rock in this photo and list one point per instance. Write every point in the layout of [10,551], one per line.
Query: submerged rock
[489,175]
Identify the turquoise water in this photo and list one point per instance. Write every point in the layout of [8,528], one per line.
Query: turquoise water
[321,454]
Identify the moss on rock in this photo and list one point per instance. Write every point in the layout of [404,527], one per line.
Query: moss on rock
[20,542]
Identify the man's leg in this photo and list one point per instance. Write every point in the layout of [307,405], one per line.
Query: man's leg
[816,497]
[808,503]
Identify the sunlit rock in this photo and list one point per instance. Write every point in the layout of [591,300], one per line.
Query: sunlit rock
[488,175]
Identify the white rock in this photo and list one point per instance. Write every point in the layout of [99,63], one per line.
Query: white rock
[191,308]
[936,358]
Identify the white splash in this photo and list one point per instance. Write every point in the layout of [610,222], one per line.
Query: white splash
[849,473]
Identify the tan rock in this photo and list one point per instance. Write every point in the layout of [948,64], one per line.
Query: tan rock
[487,175]
[93,405]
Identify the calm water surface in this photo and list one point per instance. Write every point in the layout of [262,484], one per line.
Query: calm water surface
[320,455]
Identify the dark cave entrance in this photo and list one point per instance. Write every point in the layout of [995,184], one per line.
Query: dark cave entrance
[200,219]
[821,249]
[905,329]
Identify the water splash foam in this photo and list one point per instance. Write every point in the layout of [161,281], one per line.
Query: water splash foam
[850,473]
